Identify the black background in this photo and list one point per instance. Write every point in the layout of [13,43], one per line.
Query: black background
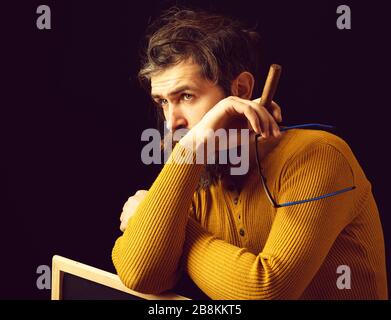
[76,113]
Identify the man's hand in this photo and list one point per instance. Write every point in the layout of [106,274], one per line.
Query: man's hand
[130,207]
[234,113]
[234,109]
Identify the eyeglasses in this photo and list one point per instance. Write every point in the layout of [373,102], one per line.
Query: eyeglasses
[263,179]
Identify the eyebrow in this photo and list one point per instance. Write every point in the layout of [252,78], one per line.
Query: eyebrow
[175,91]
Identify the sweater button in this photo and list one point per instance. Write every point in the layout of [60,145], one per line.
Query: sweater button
[241,232]
[236,200]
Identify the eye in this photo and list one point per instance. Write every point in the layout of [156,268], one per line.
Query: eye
[187,96]
[161,102]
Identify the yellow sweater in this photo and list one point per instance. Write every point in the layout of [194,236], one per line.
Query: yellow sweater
[237,246]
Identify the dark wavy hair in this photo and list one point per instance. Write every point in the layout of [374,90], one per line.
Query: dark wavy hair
[220,45]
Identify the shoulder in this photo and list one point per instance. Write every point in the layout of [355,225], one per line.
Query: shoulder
[304,143]
[317,156]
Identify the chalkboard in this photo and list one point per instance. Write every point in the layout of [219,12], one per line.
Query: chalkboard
[76,288]
[72,280]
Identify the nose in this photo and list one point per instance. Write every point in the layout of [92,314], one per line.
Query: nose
[175,119]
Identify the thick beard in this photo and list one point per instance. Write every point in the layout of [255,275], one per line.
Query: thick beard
[212,172]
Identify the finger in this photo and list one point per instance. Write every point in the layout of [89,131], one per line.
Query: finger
[266,117]
[263,118]
[261,113]
[266,120]
[274,128]
[130,199]
[250,114]
[127,204]
[141,192]
[124,213]
[258,100]
[125,219]
[131,202]
[275,110]
[140,195]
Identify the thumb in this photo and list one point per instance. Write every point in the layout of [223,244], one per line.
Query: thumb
[141,192]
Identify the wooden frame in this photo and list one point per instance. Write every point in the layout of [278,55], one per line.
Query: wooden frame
[61,265]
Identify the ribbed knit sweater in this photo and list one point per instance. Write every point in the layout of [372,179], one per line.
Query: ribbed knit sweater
[238,246]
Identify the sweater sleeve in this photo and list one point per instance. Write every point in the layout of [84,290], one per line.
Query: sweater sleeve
[300,238]
[147,255]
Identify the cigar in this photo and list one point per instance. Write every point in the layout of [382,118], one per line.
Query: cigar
[270,85]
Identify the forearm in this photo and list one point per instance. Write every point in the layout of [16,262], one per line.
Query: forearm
[224,271]
[281,271]
[147,255]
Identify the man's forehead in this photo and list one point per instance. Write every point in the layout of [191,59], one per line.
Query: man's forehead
[176,76]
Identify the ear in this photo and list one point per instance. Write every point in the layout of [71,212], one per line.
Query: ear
[243,85]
